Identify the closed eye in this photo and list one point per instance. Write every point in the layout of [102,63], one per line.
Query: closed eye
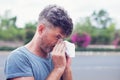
[58,37]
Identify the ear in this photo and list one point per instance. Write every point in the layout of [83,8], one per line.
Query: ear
[41,28]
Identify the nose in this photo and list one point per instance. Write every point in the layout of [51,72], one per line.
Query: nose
[61,39]
[58,40]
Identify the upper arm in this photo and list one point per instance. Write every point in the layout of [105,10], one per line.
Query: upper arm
[17,67]
[23,78]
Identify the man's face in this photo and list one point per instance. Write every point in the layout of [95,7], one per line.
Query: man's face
[50,38]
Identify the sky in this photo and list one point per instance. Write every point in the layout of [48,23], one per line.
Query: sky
[28,10]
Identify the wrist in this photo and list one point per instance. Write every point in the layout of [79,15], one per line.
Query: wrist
[67,75]
[67,69]
[59,70]
[56,74]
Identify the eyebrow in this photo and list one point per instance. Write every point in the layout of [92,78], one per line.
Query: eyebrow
[60,35]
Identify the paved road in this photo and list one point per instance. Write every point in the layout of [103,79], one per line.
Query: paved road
[96,68]
[87,67]
[2,62]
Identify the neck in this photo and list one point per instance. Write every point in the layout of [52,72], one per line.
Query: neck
[34,47]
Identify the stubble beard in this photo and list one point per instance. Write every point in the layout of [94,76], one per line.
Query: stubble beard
[45,48]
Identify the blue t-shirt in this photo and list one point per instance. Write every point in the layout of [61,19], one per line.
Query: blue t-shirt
[22,63]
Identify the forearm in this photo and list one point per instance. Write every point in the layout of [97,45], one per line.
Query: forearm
[67,75]
[55,74]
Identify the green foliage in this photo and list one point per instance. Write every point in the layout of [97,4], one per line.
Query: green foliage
[84,25]
[29,31]
[101,18]
[8,28]
[102,33]
[4,48]
[7,21]
[12,34]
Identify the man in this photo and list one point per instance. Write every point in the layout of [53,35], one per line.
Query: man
[43,58]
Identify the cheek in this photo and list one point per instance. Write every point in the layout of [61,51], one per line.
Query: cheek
[51,39]
[47,40]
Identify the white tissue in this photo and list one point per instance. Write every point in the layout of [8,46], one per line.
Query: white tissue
[70,49]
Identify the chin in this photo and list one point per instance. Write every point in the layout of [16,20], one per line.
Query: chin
[48,50]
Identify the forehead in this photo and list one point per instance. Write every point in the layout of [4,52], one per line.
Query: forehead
[57,31]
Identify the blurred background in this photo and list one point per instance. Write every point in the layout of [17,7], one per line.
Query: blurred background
[96,34]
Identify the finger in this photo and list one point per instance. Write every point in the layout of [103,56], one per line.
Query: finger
[63,48]
[58,43]
[60,46]
[68,59]
[56,46]
[63,52]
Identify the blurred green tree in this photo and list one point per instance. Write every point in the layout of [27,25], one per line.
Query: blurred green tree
[101,18]
[8,28]
[29,31]
[102,33]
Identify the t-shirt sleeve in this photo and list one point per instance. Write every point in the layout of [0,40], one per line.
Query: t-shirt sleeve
[17,65]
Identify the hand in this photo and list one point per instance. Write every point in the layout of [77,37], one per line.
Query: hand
[67,75]
[58,55]
[68,61]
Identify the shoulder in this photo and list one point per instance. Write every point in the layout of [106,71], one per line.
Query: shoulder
[18,56]
[19,52]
